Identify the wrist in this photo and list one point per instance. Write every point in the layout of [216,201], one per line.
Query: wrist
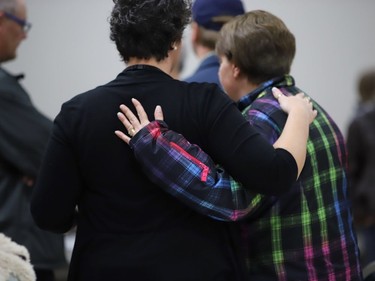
[301,113]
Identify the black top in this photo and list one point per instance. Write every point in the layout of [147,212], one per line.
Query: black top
[24,133]
[127,227]
[361,152]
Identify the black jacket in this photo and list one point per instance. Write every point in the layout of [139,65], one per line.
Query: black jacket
[24,133]
[128,228]
[361,157]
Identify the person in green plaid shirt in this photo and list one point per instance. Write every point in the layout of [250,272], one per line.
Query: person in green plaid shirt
[304,234]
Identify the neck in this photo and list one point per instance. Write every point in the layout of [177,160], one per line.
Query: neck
[202,51]
[244,88]
[164,65]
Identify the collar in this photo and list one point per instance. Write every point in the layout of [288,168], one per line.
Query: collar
[279,82]
[141,67]
[18,77]
[210,59]
[209,54]
[145,68]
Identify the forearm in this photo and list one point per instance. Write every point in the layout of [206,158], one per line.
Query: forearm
[189,174]
[294,138]
[237,146]
[57,189]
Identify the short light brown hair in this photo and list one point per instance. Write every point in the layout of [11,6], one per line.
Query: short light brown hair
[259,43]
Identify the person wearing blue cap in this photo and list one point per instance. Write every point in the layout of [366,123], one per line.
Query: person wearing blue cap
[208,18]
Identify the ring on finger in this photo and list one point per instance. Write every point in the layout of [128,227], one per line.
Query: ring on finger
[131,131]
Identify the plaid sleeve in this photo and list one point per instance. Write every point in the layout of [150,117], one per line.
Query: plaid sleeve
[189,174]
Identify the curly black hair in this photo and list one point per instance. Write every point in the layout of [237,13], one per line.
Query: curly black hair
[147,29]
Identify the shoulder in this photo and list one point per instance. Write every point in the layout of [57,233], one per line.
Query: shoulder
[266,108]
[370,116]
[4,75]
[364,121]
[207,71]
[85,99]
[211,92]
[9,85]
[204,75]
[207,102]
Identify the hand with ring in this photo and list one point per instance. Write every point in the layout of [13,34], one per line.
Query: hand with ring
[299,102]
[131,122]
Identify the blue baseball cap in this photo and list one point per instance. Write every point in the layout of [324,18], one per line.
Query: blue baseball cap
[205,11]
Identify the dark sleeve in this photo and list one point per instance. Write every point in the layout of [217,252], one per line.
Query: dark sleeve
[57,189]
[189,174]
[243,152]
[355,148]
[24,131]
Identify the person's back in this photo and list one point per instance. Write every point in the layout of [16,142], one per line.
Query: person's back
[363,164]
[308,234]
[363,137]
[147,234]
[310,228]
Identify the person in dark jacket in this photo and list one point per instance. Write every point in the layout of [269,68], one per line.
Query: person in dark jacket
[24,133]
[127,228]
[361,152]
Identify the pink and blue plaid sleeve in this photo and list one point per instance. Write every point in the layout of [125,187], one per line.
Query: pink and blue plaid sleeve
[189,174]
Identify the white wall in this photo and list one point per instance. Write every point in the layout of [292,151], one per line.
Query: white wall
[68,50]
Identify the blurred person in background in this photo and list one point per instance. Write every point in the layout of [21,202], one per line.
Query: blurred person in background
[361,149]
[24,133]
[303,234]
[208,16]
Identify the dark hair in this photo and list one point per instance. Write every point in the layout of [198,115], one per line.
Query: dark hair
[366,85]
[147,29]
[259,44]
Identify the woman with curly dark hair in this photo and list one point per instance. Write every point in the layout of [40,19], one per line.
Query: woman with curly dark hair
[127,228]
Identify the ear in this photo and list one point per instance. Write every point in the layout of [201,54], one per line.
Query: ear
[236,71]
[1,17]
[178,44]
